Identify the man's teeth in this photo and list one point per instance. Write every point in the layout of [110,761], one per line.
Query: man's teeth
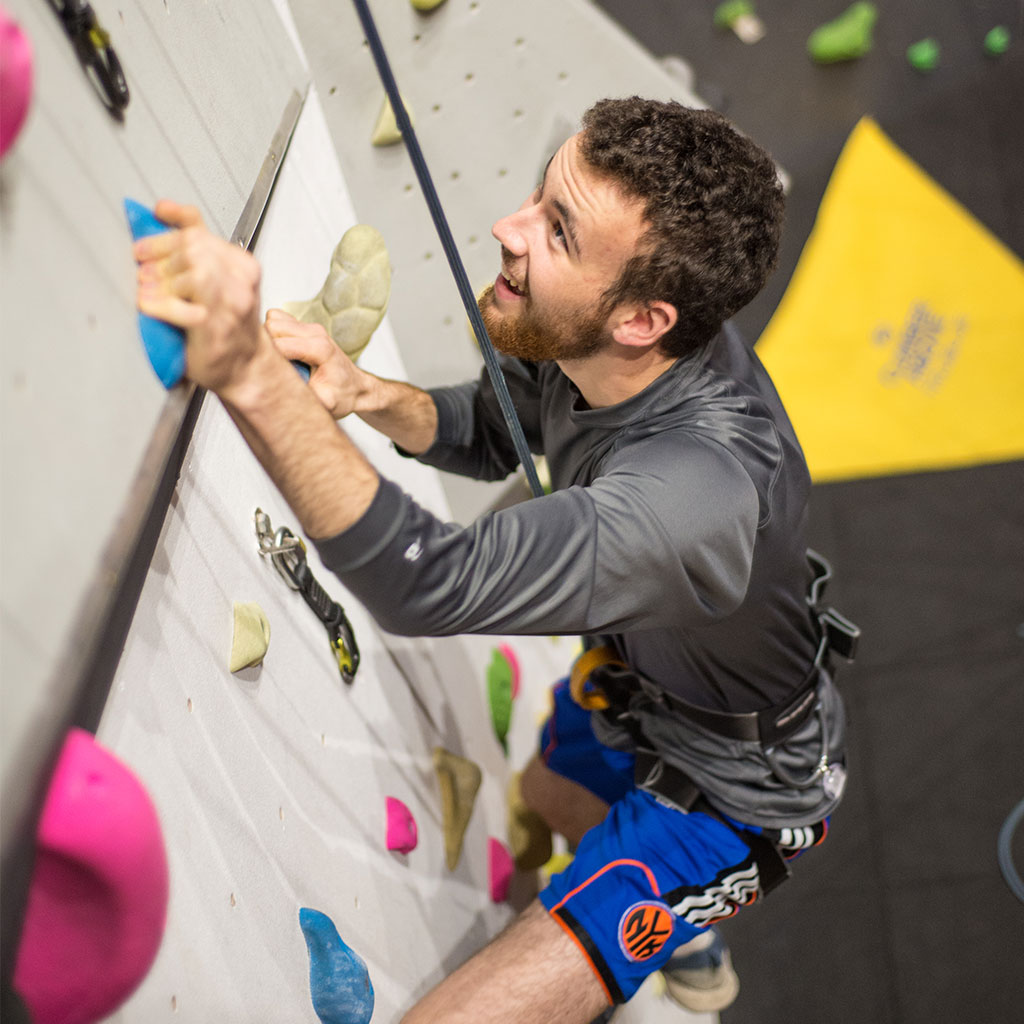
[514,283]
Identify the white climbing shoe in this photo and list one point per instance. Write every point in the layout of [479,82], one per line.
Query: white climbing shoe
[703,980]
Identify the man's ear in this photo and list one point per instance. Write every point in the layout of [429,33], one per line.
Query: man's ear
[642,326]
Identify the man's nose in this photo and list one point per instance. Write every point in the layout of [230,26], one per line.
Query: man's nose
[510,231]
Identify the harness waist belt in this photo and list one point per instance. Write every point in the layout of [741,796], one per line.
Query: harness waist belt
[769,726]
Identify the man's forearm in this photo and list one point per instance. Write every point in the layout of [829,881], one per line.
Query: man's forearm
[323,476]
[401,411]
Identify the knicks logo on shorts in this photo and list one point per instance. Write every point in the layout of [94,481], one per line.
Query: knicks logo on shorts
[644,929]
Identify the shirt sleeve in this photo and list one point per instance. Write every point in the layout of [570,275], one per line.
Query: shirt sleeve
[472,436]
[666,545]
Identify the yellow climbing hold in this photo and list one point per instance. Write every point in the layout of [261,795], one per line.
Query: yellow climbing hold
[386,131]
[426,5]
[897,346]
[459,779]
[251,636]
[354,297]
[558,863]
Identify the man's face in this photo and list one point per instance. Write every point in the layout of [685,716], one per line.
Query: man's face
[560,251]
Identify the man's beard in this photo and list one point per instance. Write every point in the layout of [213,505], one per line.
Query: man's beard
[573,335]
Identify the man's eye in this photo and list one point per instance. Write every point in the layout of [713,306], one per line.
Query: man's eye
[558,232]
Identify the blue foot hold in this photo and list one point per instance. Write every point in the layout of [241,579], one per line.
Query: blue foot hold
[338,979]
[164,344]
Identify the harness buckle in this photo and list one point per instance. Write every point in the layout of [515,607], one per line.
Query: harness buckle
[840,633]
[837,633]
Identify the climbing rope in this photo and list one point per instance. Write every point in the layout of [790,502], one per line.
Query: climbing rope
[448,244]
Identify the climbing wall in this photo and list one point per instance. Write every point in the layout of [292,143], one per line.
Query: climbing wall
[273,783]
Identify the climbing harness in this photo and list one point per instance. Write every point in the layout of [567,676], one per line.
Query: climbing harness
[92,47]
[600,681]
[448,244]
[288,553]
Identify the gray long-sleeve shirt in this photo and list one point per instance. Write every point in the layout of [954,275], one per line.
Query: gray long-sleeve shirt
[676,529]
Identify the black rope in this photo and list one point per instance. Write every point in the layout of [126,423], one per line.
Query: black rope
[448,244]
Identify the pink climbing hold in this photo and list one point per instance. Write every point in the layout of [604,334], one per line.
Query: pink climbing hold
[97,902]
[501,867]
[15,79]
[402,835]
[513,664]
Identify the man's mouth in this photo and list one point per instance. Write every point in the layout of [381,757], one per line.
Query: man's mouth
[513,284]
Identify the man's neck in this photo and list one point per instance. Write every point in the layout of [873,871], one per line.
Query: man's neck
[615,374]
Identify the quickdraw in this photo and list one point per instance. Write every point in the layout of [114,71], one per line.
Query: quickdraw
[92,47]
[288,553]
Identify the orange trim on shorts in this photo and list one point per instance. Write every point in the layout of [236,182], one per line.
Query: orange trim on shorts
[586,956]
[597,874]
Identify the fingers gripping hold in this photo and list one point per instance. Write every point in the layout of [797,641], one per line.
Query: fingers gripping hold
[193,280]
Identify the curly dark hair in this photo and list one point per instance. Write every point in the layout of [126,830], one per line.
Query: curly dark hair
[713,202]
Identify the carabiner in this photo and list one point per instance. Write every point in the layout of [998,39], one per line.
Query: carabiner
[288,554]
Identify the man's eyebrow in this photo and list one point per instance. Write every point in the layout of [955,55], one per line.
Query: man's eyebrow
[544,176]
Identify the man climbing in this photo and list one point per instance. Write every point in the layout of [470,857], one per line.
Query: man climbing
[699,742]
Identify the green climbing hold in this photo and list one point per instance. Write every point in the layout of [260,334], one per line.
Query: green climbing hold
[924,55]
[727,14]
[997,41]
[499,694]
[846,37]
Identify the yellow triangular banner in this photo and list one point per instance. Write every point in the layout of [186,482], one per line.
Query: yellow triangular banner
[899,344]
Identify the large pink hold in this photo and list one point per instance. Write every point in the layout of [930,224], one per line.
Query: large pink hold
[402,835]
[501,868]
[15,79]
[97,904]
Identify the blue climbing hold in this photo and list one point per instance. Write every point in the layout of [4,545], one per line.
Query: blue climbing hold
[338,979]
[164,344]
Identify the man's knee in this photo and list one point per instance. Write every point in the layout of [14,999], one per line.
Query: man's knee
[566,806]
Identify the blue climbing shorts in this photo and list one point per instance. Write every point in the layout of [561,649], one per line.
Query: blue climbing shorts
[649,877]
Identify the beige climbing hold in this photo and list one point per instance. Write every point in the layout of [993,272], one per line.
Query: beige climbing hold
[459,779]
[251,636]
[529,838]
[426,5]
[354,298]
[386,131]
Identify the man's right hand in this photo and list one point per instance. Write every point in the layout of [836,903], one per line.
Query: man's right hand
[333,377]
[404,413]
